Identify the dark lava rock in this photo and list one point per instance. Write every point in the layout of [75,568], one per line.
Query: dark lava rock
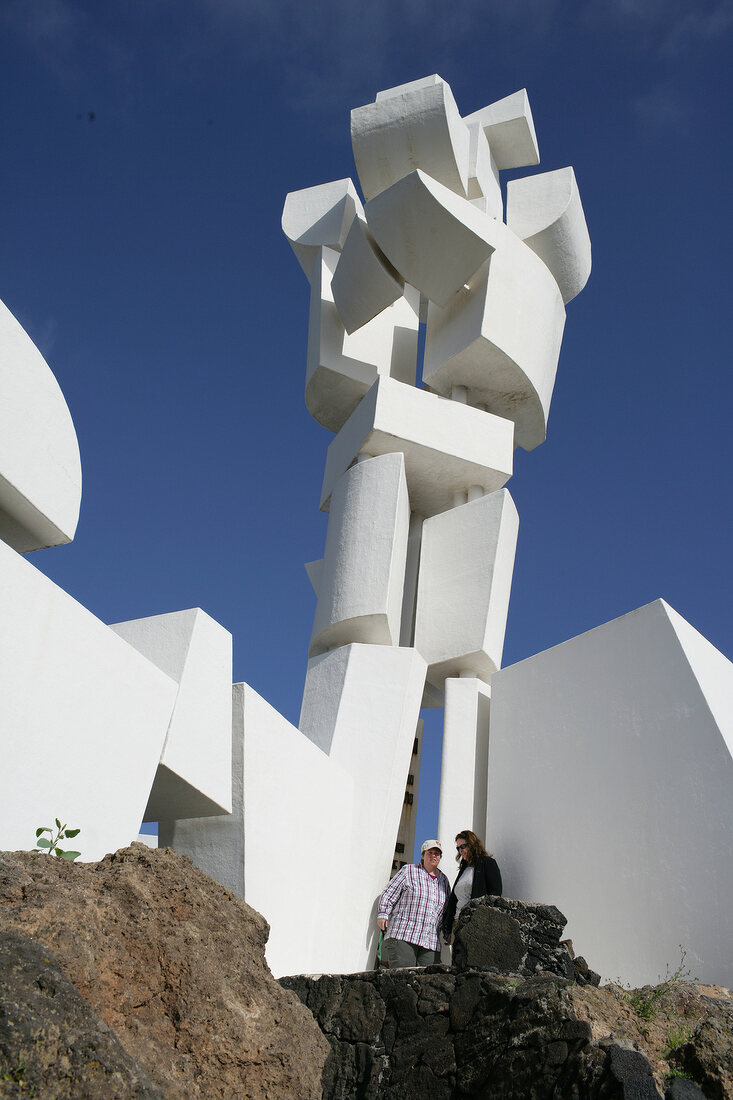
[708,1056]
[682,1089]
[437,1034]
[52,1043]
[512,936]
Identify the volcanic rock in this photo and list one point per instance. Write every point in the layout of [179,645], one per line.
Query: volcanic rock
[174,964]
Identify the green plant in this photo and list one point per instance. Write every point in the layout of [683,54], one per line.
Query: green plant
[676,1037]
[17,1076]
[50,844]
[647,1002]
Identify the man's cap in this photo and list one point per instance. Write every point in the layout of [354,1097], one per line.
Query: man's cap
[431,844]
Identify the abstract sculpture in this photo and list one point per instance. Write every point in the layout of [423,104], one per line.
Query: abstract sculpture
[434,333]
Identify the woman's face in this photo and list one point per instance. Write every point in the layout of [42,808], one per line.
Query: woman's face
[431,859]
[462,847]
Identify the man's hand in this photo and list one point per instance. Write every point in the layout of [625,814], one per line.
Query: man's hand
[382,924]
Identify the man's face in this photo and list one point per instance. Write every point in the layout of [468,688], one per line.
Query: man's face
[431,859]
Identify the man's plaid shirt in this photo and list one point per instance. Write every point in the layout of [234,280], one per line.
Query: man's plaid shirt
[413,903]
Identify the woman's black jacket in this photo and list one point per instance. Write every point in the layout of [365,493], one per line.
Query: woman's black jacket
[486,880]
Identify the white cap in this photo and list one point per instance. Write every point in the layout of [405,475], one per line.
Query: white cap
[431,844]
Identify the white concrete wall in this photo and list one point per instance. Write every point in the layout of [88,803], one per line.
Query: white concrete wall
[611,793]
[83,717]
[194,777]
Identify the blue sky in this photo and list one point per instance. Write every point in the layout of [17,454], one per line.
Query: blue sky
[147,146]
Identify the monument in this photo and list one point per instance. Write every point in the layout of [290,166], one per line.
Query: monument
[601,771]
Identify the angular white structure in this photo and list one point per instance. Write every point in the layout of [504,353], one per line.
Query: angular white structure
[545,211]
[412,126]
[447,446]
[194,776]
[341,367]
[323,789]
[464,766]
[436,239]
[360,597]
[466,567]
[40,469]
[483,341]
[509,130]
[600,771]
[84,717]
[364,282]
[611,792]
[318,217]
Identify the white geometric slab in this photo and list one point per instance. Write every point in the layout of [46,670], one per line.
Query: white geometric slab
[364,282]
[360,590]
[611,793]
[435,239]
[319,216]
[484,187]
[341,367]
[448,447]
[501,338]
[83,717]
[509,130]
[194,777]
[545,211]
[414,126]
[466,566]
[40,469]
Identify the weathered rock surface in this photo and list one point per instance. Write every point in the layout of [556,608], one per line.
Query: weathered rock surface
[439,1034]
[513,936]
[51,1041]
[508,1022]
[174,965]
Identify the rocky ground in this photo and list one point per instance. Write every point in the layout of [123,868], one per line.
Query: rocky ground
[140,977]
[169,961]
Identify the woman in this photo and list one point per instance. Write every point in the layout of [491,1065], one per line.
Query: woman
[412,904]
[478,875]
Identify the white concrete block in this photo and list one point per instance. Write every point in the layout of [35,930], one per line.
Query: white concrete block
[415,126]
[319,216]
[447,446]
[83,717]
[611,793]
[194,777]
[342,367]
[501,338]
[361,705]
[285,791]
[360,591]
[364,282]
[545,211]
[465,760]
[510,131]
[435,239]
[40,469]
[484,186]
[466,565]
[291,795]
[410,86]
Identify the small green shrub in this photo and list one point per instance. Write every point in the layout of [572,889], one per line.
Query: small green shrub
[50,844]
[647,1002]
[676,1037]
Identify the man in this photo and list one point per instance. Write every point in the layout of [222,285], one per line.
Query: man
[411,907]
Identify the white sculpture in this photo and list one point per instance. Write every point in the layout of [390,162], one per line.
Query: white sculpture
[412,598]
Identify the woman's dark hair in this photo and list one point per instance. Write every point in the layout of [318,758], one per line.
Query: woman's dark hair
[475,848]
